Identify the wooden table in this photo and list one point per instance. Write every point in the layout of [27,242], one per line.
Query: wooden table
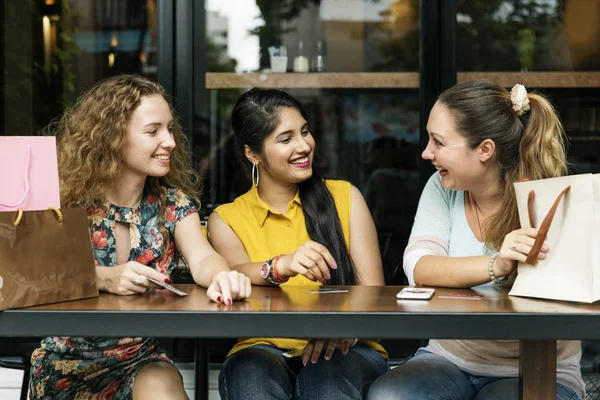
[361,312]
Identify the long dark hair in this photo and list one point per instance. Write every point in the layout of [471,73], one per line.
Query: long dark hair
[256,114]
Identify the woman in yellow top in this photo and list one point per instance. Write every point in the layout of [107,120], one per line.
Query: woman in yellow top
[294,228]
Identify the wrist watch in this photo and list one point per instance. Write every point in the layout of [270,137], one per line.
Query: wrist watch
[267,272]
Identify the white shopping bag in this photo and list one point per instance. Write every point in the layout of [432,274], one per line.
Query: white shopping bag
[568,209]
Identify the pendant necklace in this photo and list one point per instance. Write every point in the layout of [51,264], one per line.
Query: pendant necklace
[475,206]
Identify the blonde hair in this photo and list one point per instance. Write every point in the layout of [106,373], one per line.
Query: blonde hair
[91,136]
[533,148]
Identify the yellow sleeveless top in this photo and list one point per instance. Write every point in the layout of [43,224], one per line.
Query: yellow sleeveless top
[266,233]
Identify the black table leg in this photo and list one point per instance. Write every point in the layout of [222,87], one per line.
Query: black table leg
[201,369]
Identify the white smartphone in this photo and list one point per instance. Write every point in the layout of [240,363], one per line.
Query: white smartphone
[293,353]
[167,286]
[412,293]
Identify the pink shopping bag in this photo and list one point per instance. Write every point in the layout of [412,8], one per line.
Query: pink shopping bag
[28,173]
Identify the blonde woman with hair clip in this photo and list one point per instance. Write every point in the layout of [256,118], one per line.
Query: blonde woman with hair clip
[466,233]
[123,156]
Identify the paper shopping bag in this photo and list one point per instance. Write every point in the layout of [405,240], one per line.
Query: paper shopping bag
[566,212]
[28,173]
[45,257]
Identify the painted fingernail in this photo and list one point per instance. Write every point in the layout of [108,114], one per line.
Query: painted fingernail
[328,275]
[314,360]
[219,299]
[328,356]
[228,302]
[305,362]
[168,281]
[334,265]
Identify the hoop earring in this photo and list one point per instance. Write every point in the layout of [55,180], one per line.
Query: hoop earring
[255,175]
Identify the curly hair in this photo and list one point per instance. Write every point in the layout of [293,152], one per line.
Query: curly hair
[91,136]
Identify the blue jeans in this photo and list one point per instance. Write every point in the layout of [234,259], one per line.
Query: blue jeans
[433,377]
[261,372]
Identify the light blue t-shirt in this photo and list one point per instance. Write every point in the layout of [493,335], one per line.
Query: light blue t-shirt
[441,229]
[441,213]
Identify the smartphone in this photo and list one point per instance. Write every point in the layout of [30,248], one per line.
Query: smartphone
[167,286]
[293,353]
[412,293]
[327,289]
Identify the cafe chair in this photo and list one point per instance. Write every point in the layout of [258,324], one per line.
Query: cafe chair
[21,363]
[15,353]
[590,368]
[391,248]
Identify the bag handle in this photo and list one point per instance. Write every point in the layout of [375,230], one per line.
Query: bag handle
[56,211]
[544,227]
[26,179]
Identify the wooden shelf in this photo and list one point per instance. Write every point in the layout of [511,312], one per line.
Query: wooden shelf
[318,80]
[393,80]
[537,79]
[584,138]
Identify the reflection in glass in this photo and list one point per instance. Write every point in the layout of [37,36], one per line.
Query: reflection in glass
[52,50]
[348,125]
[546,36]
[360,35]
[528,35]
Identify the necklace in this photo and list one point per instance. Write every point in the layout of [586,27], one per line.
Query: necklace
[475,206]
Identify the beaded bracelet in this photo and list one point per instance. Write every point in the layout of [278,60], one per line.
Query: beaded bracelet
[497,281]
[275,273]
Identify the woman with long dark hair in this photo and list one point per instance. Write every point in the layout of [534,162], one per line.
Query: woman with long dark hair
[294,228]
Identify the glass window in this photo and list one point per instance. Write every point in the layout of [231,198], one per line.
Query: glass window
[354,65]
[52,50]
[548,45]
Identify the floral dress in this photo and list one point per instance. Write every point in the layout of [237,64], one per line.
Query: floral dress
[97,368]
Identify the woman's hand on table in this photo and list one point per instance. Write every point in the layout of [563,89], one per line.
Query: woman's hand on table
[311,259]
[227,287]
[315,347]
[515,248]
[129,278]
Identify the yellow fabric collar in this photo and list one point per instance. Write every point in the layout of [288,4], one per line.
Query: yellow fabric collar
[261,209]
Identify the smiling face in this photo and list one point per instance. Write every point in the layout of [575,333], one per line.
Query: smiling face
[149,139]
[460,167]
[287,152]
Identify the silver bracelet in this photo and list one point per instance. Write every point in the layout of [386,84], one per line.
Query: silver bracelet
[497,281]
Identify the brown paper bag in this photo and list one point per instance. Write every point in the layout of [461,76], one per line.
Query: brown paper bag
[45,257]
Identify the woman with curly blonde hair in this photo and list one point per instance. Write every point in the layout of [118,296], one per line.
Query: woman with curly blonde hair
[125,159]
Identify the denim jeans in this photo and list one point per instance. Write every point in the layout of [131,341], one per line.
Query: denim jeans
[261,372]
[433,377]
